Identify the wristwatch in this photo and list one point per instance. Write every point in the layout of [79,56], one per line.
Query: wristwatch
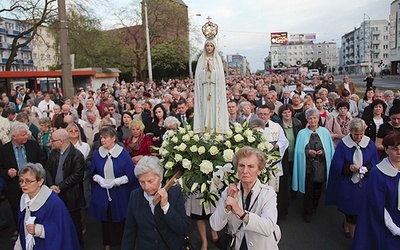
[244,215]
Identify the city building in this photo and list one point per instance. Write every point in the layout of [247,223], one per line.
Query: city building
[394,37]
[366,48]
[300,50]
[45,50]
[9,29]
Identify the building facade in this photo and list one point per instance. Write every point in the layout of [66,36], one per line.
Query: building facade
[38,55]
[296,54]
[394,37]
[366,48]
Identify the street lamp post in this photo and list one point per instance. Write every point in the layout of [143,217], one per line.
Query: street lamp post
[148,44]
[190,54]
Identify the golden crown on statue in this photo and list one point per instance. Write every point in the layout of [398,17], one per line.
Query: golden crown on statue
[210,29]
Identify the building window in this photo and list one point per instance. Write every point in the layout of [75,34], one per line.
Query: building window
[385,46]
[385,37]
[385,55]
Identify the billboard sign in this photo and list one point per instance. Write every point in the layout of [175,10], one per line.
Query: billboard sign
[236,65]
[303,37]
[279,38]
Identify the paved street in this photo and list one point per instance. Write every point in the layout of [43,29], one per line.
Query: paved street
[324,232]
[387,82]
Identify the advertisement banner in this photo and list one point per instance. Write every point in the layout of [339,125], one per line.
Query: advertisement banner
[279,38]
[303,37]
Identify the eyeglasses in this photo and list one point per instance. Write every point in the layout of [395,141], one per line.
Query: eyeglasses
[396,149]
[26,182]
[54,140]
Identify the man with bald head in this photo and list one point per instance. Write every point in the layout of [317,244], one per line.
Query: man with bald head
[64,175]
[59,122]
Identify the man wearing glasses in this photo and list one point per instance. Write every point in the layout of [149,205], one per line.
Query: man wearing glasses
[64,175]
[13,155]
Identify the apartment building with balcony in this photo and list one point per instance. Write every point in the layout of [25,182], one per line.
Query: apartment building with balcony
[394,37]
[366,48]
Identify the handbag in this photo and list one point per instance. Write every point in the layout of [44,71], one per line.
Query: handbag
[187,245]
[226,241]
[318,172]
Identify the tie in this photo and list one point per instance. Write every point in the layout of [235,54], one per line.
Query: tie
[109,168]
[183,118]
[48,107]
[21,158]
[357,160]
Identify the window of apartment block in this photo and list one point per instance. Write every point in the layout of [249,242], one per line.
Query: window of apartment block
[385,37]
[385,55]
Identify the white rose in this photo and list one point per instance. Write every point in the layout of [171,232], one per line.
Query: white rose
[188,127]
[169,165]
[238,129]
[182,147]
[201,150]
[264,137]
[196,138]
[228,155]
[182,130]
[186,138]
[178,157]
[229,134]
[213,150]
[219,138]
[251,139]
[164,144]
[206,167]
[207,136]
[248,133]
[193,148]
[190,133]
[186,164]
[238,138]
[228,144]
[176,148]
[237,149]
[174,139]
[171,133]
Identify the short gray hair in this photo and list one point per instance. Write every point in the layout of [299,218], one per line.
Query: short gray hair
[171,121]
[34,168]
[256,122]
[45,121]
[18,127]
[357,124]
[149,164]
[387,93]
[311,112]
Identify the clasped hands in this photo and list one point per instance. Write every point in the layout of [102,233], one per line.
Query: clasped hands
[231,202]
[108,185]
[314,153]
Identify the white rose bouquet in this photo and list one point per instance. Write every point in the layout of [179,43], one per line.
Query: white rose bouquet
[205,161]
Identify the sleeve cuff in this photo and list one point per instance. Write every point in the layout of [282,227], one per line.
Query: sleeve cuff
[39,231]
[165,208]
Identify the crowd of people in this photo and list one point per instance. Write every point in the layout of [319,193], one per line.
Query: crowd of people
[100,144]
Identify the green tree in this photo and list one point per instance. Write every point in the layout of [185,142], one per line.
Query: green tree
[170,58]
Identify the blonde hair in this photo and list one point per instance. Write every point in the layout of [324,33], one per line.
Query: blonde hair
[136,123]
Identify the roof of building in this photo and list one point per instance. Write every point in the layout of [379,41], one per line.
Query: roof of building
[179,2]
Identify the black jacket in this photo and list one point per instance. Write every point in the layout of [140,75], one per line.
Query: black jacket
[71,187]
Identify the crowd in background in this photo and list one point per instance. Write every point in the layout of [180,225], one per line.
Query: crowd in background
[124,121]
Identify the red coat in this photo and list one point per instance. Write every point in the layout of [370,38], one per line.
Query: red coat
[144,149]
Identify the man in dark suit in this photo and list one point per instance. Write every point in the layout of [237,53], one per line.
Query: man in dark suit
[64,175]
[13,155]
[182,108]
[286,97]
[59,122]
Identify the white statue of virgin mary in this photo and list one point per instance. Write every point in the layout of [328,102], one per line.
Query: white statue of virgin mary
[210,104]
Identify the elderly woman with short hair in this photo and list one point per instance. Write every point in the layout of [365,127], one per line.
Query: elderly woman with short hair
[44,220]
[149,226]
[312,159]
[249,211]
[139,144]
[352,161]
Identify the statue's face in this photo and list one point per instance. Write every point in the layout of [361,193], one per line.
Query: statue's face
[209,48]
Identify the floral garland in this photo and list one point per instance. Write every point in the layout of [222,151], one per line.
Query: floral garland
[206,160]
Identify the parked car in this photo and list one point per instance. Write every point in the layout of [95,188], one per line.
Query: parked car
[385,72]
[312,73]
[307,89]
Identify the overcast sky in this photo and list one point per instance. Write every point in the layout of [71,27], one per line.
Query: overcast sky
[245,25]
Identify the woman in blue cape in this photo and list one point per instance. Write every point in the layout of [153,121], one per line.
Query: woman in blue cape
[378,224]
[354,157]
[313,153]
[44,221]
